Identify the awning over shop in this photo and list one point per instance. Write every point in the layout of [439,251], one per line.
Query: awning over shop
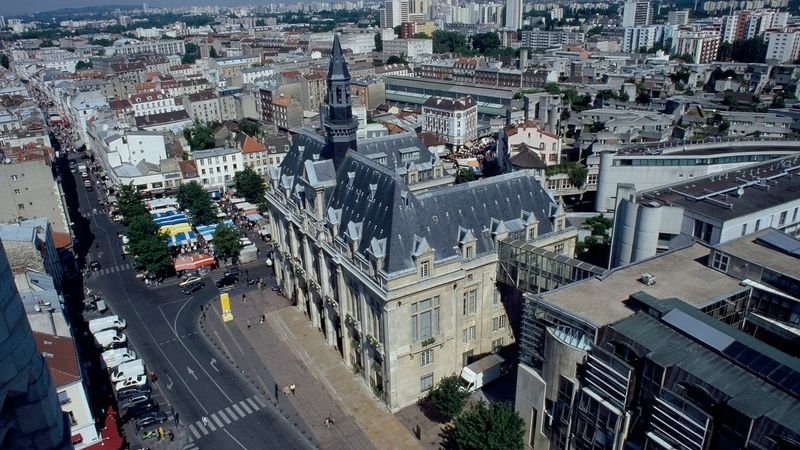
[182,238]
[109,184]
[207,231]
[192,262]
[254,217]
[172,230]
[112,199]
[171,220]
[167,213]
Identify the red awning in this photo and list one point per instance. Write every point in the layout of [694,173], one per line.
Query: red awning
[110,437]
[191,262]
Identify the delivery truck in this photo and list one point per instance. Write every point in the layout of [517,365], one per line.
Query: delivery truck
[130,369]
[113,358]
[482,372]
[110,339]
[106,323]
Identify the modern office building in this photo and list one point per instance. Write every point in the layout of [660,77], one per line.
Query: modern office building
[513,14]
[713,209]
[30,415]
[652,356]
[398,277]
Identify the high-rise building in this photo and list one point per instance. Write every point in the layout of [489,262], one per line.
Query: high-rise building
[782,47]
[513,14]
[678,17]
[701,44]
[30,414]
[394,13]
[637,13]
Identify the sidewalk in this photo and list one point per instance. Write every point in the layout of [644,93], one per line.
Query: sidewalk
[297,354]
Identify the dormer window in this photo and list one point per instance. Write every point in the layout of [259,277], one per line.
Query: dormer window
[425,269]
[469,252]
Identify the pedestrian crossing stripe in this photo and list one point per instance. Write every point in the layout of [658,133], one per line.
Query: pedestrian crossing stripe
[227,415]
[114,269]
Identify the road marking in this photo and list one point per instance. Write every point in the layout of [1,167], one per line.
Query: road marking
[216,419]
[224,417]
[238,411]
[201,427]
[210,426]
[233,416]
[245,407]
[260,401]
[190,447]
[170,383]
[213,362]
[194,432]
[253,404]
[191,372]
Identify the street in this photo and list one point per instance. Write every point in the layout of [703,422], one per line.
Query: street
[164,328]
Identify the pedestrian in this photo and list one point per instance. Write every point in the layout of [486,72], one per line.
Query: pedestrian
[205,421]
[263,318]
[177,419]
[291,388]
[276,392]
[171,436]
[244,298]
[248,324]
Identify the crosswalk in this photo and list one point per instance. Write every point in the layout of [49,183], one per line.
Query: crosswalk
[113,269]
[224,417]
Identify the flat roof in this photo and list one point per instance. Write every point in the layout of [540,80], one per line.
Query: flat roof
[750,248]
[735,193]
[681,273]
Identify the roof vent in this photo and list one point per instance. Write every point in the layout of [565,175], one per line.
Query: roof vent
[648,279]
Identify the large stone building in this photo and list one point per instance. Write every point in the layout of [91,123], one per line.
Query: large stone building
[454,121]
[29,414]
[397,276]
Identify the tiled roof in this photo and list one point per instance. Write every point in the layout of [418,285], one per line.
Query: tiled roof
[61,357]
[251,145]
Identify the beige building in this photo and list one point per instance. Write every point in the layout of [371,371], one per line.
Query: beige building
[203,107]
[287,112]
[27,187]
[313,90]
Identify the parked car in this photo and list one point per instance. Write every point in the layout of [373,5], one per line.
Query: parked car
[134,391]
[194,287]
[227,280]
[134,400]
[189,281]
[233,271]
[94,265]
[87,183]
[139,409]
[138,380]
[151,418]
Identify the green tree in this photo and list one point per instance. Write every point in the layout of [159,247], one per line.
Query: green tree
[130,203]
[249,127]
[777,102]
[378,42]
[191,196]
[600,225]
[140,227]
[152,254]
[192,53]
[448,397]
[394,59]
[465,175]
[489,426]
[212,52]
[421,36]
[226,242]
[4,61]
[448,41]
[643,98]
[730,101]
[249,185]
[200,136]
[482,42]
[397,30]
[577,175]
[83,65]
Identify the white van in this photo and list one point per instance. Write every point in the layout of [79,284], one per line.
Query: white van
[106,323]
[115,357]
[130,369]
[110,339]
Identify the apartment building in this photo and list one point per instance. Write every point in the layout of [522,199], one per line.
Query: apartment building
[162,47]
[217,166]
[203,107]
[148,103]
[454,121]
[701,44]
[542,39]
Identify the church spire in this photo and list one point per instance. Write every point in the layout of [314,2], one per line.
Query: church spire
[340,125]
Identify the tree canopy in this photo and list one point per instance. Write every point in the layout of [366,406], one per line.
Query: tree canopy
[378,42]
[226,242]
[465,175]
[200,136]
[129,202]
[447,397]
[192,53]
[147,244]
[83,65]
[483,42]
[394,59]
[448,41]
[193,197]
[152,254]
[744,50]
[249,185]
[249,127]
[489,426]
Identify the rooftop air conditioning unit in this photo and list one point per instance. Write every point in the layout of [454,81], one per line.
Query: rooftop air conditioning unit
[648,279]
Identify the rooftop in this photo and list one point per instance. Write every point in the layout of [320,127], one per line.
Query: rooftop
[736,193]
[61,357]
[760,249]
[681,273]
[213,152]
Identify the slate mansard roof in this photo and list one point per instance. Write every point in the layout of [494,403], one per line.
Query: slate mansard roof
[370,202]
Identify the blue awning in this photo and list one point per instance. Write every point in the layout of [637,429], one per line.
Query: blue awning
[187,237]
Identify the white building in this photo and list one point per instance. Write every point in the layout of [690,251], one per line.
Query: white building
[678,17]
[148,103]
[358,42]
[782,46]
[641,37]
[513,14]
[455,121]
[394,13]
[411,48]
[162,47]
[542,39]
[217,166]
[637,13]
[702,45]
